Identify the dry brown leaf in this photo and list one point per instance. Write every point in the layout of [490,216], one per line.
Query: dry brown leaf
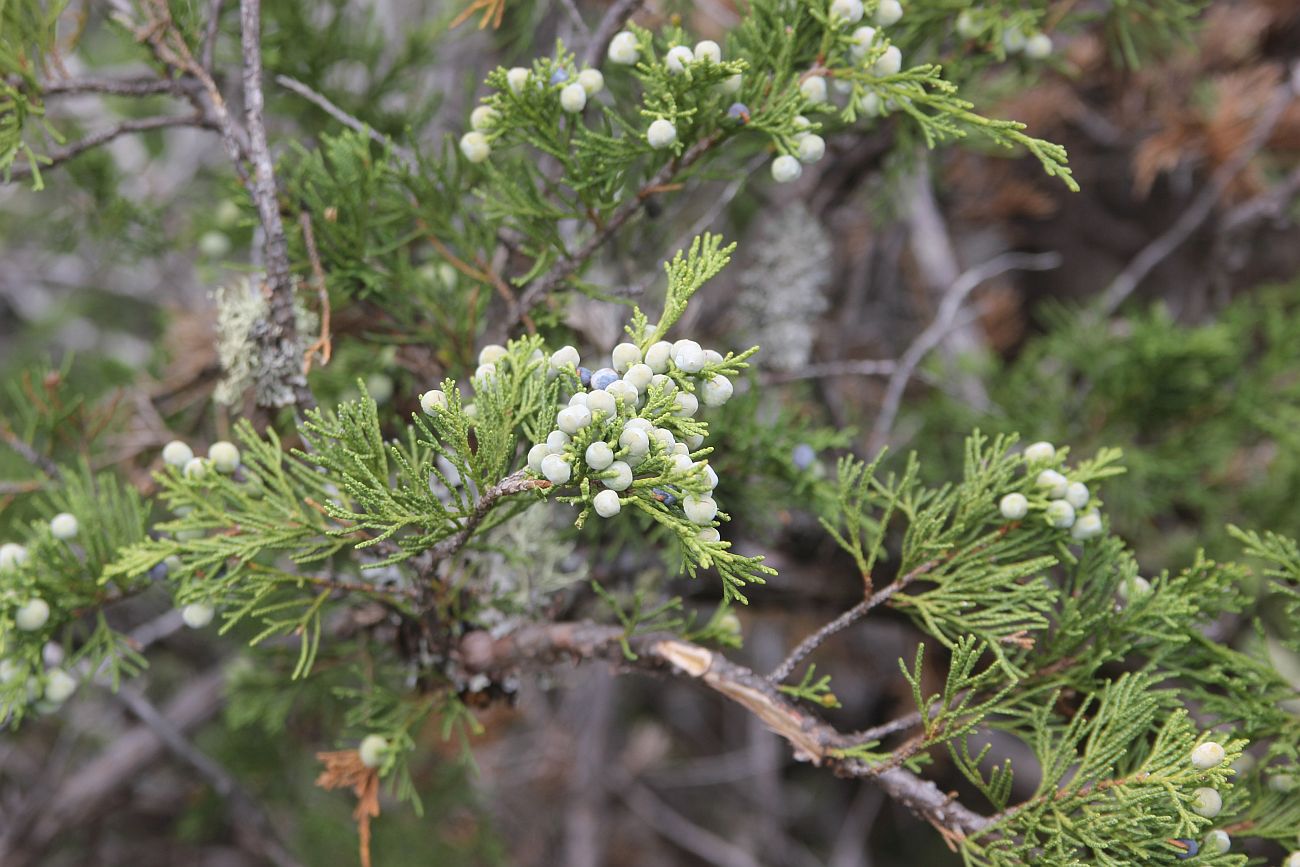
[344,769]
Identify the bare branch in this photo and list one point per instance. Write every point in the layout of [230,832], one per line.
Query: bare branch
[812,739]
[27,453]
[125,127]
[943,322]
[845,620]
[323,103]
[211,31]
[138,86]
[679,830]
[865,367]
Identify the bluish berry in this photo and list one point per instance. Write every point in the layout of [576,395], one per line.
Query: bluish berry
[603,377]
[803,456]
[663,496]
[738,111]
[158,572]
[584,376]
[560,75]
[1190,847]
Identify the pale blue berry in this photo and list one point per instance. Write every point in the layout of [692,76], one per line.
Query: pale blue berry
[738,111]
[59,686]
[197,615]
[624,392]
[224,456]
[573,419]
[1013,506]
[559,75]
[624,356]
[556,441]
[1208,755]
[639,375]
[1060,514]
[564,357]
[177,454]
[32,615]
[658,356]
[1088,526]
[1054,483]
[1217,842]
[602,402]
[716,390]
[432,401]
[1040,453]
[491,354]
[803,456]
[1077,495]
[1206,802]
[535,456]
[603,377]
[687,405]
[688,356]
[710,536]
[635,440]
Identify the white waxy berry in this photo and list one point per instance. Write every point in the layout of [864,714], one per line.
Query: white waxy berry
[535,455]
[664,437]
[602,402]
[599,455]
[1038,46]
[516,78]
[177,454]
[709,535]
[812,147]
[687,405]
[661,134]
[592,81]
[707,49]
[12,555]
[618,477]
[482,118]
[470,410]
[32,615]
[1013,40]
[475,146]
[716,390]
[556,469]
[623,49]
[624,356]
[663,382]
[862,39]
[1013,506]
[556,441]
[785,169]
[491,354]
[372,750]
[1077,495]
[688,356]
[847,10]
[699,510]
[712,356]
[678,58]
[197,468]
[1133,588]
[710,476]
[680,449]
[485,373]
[1040,453]
[1060,514]
[572,419]
[639,375]
[606,504]
[64,526]
[968,26]
[565,356]
[1292,860]
[1206,802]
[658,356]
[889,12]
[1217,842]
[197,614]
[1088,526]
[1053,482]
[1208,755]
[224,456]
[732,84]
[813,88]
[889,63]
[580,398]
[432,401]
[624,392]
[640,423]
[681,461]
[59,686]
[573,98]
[635,440]
[694,441]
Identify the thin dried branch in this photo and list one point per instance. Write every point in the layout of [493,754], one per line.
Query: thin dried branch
[864,367]
[136,86]
[515,483]
[845,620]
[322,344]
[1195,214]
[567,266]
[25,451]
[324,104]
[211,30]
[679,830]
[812,739]
[944,320]
[104,136]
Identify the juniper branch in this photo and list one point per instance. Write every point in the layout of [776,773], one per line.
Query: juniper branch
[812,739]
[324,104]
[615,17]
[845,620]
[104,136]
